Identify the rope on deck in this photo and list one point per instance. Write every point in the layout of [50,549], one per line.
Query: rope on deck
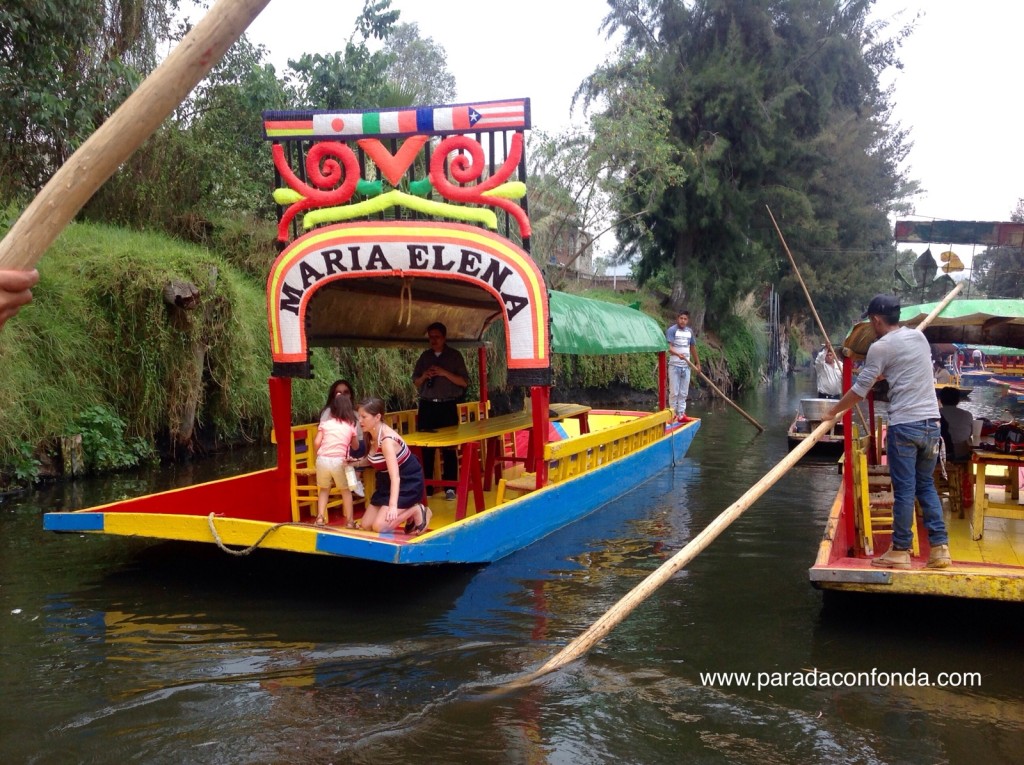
[250,548]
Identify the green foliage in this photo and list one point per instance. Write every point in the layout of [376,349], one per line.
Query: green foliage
[65,65]
[773,104]
[207,162]
[743,347]
[99,334]
[353,77]
[999,271]
[21,468]
[420,68]
[636,370]
[104,442]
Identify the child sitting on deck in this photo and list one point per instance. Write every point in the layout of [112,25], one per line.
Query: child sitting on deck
[335,438]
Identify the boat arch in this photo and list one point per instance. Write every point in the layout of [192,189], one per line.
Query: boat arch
[381,282]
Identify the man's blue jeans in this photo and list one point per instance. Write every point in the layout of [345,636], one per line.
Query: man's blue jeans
[912,449]
[679,387]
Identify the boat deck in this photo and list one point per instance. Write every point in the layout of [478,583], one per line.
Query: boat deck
[446,511]
[1003,543]
[990,568]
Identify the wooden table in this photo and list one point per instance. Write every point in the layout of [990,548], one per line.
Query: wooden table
[983,506]
[488,432]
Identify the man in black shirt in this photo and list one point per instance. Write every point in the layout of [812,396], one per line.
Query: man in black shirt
[441,377]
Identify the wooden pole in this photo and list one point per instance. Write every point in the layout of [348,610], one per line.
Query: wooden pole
[940,307]
[617,613]
[810,303]
[728,400]
[117,138]
[807,294]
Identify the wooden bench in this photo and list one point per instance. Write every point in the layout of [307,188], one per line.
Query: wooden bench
[584,453]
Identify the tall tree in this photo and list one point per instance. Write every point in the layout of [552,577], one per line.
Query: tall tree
[577,176]
[65,66]
[353,77]
[998,272]
[773,102]
[420,67]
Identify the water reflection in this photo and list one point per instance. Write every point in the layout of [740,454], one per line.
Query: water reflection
[121,648]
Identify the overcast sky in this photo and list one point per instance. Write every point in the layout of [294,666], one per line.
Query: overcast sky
[958,93]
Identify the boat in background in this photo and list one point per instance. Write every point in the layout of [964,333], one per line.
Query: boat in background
[380,260]
[812,412]
[1000,362]
[986,537]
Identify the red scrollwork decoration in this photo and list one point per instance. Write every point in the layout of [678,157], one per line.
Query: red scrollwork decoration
[331,167]
[468,167]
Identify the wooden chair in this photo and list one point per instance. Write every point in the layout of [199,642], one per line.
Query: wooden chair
[874,498]
[952,485]
[303,474]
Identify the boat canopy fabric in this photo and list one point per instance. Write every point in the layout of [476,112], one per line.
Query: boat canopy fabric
[584,326]
[991,350]
[377,312]
[975,323]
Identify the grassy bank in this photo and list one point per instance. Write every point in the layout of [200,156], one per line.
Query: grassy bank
[99,353]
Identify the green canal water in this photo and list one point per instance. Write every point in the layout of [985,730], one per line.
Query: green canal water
[118,650]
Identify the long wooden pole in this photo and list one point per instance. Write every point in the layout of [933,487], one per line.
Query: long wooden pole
[617,613]
[117,138]
[810,303]
[728,400]
[940,307]
[807,294]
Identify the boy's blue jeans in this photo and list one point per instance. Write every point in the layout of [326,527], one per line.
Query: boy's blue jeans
[912,449]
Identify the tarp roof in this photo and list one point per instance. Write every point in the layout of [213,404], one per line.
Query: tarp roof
[584,326]
[992,350]
[374,312]
[969,322]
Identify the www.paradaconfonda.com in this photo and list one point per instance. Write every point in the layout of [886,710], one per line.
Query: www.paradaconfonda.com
[816,678]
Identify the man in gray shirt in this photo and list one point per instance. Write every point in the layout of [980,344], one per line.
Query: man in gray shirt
[902,356]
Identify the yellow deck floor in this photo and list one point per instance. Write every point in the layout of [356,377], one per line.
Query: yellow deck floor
[1002,543]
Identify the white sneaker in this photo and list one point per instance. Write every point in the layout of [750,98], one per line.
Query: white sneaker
[359,491]
[449,494]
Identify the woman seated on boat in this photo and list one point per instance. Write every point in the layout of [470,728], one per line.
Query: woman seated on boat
[942,375]
[396,499]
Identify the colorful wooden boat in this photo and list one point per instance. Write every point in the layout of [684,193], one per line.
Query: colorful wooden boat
[381,259]
[986,536]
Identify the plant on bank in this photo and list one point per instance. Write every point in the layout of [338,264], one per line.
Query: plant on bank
[105,443]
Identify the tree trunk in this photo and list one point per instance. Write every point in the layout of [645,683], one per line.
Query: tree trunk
[186,388]
[682,298]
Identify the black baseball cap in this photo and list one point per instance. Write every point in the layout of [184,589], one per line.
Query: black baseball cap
[882,305]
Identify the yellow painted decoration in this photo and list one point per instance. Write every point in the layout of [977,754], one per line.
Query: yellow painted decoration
[287,196]
[511,190]
[952,261]
[397,198]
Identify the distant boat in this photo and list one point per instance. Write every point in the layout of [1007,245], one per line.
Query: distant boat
[812,412]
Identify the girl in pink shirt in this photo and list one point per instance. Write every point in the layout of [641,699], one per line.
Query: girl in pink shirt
[335,438]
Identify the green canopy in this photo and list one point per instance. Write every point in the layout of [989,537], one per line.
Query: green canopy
[997,350]
[584,326]
[975,323]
